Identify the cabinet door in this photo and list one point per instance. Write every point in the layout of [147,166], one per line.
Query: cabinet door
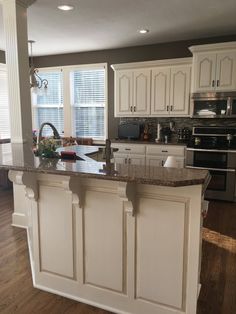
[155,161]
[205,72]
[120,159]
[180,90]
[226,71]
[136,159]
[160,91]
[180,162]
[123,93]
[142,91]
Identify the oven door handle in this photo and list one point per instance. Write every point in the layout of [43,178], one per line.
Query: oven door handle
[213,169]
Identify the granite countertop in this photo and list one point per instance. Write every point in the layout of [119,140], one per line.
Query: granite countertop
[20,157]
[146,142]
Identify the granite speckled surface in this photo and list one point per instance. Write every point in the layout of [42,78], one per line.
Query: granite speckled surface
[21,158]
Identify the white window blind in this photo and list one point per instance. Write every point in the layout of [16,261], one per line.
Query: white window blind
[4,108]
[88,102]
[48,107]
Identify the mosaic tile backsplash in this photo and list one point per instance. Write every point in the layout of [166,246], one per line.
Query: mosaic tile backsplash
[178,123]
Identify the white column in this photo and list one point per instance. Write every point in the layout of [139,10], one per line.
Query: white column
[17,59]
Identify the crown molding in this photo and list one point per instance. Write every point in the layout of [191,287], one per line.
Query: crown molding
[213,47]
[151,64]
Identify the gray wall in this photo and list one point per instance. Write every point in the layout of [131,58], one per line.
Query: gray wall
[131,54]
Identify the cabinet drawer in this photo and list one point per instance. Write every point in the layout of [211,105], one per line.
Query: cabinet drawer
[130,148]
[166,150]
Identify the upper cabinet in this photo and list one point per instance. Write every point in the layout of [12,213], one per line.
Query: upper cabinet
[132,92]
[155,88]
[170,90]
[214,67]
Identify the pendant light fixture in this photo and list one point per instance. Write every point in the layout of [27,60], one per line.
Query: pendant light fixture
[36,82]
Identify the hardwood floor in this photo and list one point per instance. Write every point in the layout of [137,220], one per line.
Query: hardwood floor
[218,277]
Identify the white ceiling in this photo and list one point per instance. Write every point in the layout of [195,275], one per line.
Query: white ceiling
[105,24]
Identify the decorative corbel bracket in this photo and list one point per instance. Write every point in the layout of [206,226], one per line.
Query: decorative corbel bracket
[126,192]
[28,179]
[77,190]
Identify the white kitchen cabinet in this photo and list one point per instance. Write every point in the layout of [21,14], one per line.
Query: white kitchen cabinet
[149,155]
[226,71]
[123,93]
[180,90]
[132,92]
[155,161]
[214,67]
[131,159]
[153,88]
[160,91]
[141,92]
[171,90]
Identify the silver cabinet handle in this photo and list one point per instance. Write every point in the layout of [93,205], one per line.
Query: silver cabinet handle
[164,151]
[167,107]
[134,108]
[162,163]
[129,161]
[125,160]
[213,83]
[131,108]
[218,83]
[171,108]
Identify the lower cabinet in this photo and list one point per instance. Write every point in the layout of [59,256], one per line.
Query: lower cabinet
[131,159]
[149,155]
[95,244]
[159,161]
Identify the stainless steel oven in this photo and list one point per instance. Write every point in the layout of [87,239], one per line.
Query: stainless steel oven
[221,165]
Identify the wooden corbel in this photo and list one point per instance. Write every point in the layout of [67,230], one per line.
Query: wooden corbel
[77,190]
[126,192]
[28,179]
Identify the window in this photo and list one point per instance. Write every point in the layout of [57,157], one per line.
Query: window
[75,101]
[88,102]
[4,108]
[48,106]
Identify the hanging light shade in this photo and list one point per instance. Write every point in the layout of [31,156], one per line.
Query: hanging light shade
[36,82]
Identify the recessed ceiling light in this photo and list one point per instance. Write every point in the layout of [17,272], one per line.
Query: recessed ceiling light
[65,7]
[143,31]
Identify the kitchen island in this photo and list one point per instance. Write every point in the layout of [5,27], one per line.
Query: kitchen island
[124,238]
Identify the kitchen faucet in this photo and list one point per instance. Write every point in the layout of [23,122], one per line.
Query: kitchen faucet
[55,132]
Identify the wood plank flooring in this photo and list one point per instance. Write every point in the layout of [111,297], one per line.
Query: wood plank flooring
[218,276]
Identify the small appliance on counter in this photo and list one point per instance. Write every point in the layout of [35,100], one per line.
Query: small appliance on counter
[130,130]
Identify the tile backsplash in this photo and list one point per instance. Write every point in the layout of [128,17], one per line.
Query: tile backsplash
[179,123]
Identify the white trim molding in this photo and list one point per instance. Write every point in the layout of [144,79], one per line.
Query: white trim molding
[213,47]
[151,64]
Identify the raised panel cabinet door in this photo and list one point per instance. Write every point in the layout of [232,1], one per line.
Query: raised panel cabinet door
[161,252]
[160,91]
[142,92]
[180,90]
[120,159]
[205,76]
[154,161]
[226,71]
[136,160]
[104,241]
[123,93]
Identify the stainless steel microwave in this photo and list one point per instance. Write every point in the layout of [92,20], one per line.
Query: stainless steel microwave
[213,105]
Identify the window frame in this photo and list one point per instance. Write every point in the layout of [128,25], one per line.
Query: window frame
[67,100]
[3,68]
